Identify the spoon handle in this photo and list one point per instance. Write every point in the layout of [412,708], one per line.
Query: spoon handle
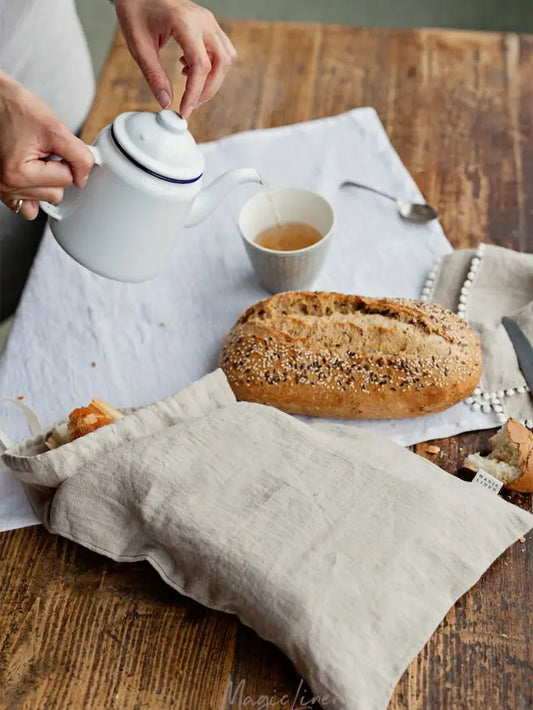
[350,183]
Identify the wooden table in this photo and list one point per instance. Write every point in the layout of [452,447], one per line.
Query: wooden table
[79,631]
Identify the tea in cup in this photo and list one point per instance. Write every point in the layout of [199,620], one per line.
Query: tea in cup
[286,233]
[289,236]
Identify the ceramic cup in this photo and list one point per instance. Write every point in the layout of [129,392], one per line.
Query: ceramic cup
[286,270]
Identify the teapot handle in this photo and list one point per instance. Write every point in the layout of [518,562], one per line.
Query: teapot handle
[54,211]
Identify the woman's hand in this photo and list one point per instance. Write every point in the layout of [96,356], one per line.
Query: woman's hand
[207,52]
[29,132]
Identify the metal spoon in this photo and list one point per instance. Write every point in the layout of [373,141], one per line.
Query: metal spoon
[411,211]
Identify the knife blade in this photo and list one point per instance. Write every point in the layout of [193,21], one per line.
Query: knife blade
[522,348]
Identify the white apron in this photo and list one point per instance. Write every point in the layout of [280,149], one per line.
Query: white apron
[42,46]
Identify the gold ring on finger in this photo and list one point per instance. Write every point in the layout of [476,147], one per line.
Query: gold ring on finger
[18,206]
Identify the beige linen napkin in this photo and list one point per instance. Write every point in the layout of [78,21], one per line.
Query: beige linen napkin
[483,285]
[341,547]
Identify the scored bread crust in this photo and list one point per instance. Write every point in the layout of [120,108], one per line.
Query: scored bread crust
[522,438]
[336,355]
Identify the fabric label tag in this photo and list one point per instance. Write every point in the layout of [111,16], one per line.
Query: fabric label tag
[484,479]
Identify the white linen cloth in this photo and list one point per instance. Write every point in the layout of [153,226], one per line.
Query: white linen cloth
[348,573]
[149,340]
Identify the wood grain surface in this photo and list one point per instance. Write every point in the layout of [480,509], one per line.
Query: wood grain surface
[79,631]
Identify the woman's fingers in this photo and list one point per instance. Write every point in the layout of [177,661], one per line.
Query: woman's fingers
[29,132]
[199,64]
[220,64]
[44,173]
[230,49]
[30,199]
[25,208]
[29,209]
[43,194]
[146,54]
[20,171]
[208,53]
[224,55]
[75,167]
[74,152]
[221,54]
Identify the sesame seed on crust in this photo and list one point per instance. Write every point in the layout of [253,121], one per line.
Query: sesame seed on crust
[349,356]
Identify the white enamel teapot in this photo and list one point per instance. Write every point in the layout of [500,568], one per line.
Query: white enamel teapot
[144,188]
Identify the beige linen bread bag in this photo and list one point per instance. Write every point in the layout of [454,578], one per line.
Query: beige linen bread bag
[339,546]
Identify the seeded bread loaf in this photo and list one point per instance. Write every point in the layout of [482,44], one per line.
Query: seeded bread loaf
[333,355]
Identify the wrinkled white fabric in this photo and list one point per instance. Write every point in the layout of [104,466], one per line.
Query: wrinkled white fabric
[149,340]
[341,547]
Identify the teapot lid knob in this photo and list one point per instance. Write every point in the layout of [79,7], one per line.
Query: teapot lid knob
[172,121]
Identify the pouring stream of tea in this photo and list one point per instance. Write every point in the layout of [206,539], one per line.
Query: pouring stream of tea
[269,194]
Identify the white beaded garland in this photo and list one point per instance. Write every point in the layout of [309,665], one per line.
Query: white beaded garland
[429,284]
[465,288]
[479,401]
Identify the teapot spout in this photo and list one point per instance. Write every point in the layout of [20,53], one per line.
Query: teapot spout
[212,195]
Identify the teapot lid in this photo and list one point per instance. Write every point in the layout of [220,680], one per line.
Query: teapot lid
[160,144]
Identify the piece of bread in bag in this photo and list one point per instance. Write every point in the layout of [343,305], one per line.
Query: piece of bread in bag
[83,420]
[511,458]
